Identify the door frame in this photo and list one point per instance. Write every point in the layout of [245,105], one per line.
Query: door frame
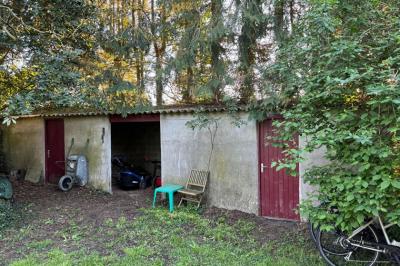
[46,163]
[259,143]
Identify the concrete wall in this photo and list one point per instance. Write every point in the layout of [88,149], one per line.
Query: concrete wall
[233,182]
[23,145]
[98,150]
[315,158]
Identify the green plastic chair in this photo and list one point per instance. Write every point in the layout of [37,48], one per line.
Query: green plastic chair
[169,189]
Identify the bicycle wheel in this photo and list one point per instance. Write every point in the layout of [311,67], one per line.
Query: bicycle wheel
[344,252]
[313,230]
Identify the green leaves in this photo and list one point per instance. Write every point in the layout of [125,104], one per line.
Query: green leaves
[43,65]
[385,184]
[396,184]
[344,95]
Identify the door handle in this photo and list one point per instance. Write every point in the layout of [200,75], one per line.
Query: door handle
[262,167]
[48,154]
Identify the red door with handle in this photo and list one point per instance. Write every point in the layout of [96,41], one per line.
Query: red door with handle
[55,153]
[279,192]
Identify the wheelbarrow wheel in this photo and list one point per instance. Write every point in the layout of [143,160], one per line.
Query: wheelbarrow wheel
[65,183]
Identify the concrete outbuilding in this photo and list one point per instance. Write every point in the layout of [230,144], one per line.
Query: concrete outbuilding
[241,176]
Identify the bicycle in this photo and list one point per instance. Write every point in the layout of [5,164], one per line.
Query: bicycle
[314,231]
[364,245]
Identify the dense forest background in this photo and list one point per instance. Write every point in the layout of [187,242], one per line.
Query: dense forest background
[120,54]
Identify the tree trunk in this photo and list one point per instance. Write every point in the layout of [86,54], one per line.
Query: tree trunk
[159,51]
[159,82]
[247,49]
[216,63]
[187,94]
[279,23]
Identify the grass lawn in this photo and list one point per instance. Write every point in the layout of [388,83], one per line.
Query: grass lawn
[159,238]
[85,227]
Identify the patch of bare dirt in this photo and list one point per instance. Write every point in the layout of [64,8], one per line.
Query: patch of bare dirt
[92,206]
[265,230]
[55,215]
[75,220]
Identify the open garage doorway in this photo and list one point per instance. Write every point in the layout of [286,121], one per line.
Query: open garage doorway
[136,151]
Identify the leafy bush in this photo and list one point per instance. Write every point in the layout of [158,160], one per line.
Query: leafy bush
[338,81]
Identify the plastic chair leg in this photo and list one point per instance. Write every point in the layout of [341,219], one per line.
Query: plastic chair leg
[171,201]
[154,198]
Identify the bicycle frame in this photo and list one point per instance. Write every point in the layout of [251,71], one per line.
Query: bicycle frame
[360,246]
[383,228]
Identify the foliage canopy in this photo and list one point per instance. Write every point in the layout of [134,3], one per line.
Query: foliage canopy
[118,54]
[337,78]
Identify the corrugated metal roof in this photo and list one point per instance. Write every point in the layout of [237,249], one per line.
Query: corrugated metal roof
[152,110]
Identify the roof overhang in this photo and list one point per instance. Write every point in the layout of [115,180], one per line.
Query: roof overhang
[135,118]
[151,112]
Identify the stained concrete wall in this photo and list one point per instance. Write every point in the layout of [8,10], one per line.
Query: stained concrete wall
[233,182]
[23,145]
[98,149]
[315,158]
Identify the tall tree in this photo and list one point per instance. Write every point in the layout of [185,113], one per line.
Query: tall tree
[218,32]
[279,20]
[116,47]
[124,42]
[159,30]
[44,40]
[253,27]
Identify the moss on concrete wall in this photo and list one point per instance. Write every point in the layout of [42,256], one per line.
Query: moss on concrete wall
[233,182]
[23,145]
[92,138]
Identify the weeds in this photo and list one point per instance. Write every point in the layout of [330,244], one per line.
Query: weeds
[182,238]
[11,215]
[40,245]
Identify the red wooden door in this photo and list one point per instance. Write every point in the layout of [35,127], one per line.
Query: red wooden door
[279,192]
[55,153]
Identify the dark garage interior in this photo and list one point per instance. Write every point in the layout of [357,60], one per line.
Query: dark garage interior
[138,146]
